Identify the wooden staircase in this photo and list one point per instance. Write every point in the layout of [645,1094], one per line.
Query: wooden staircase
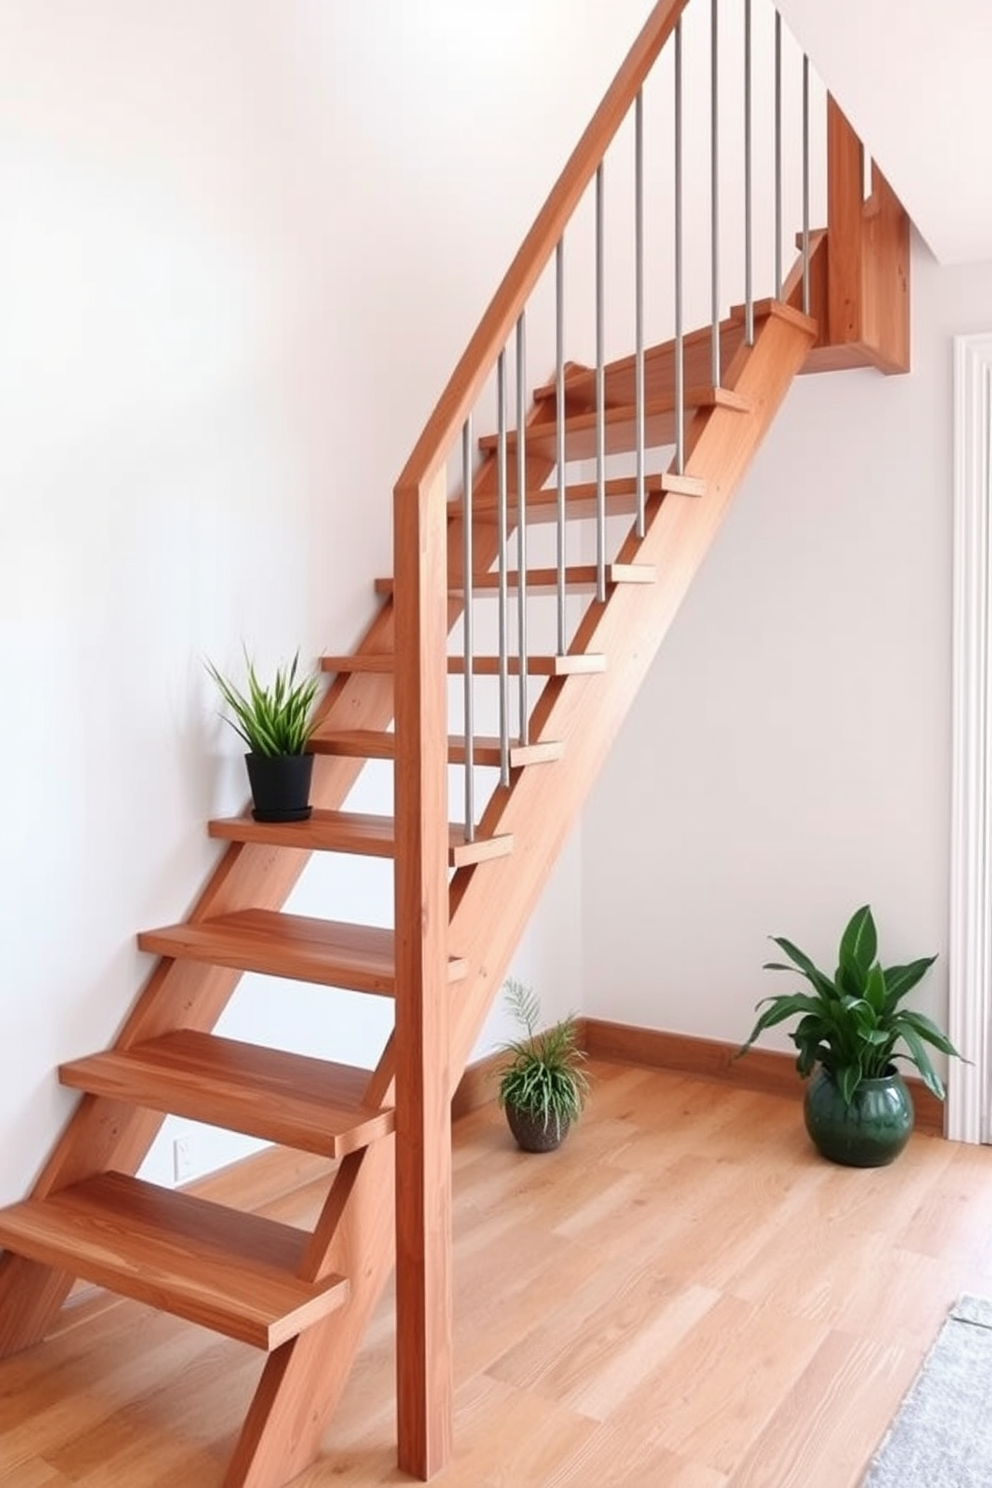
[305,1298]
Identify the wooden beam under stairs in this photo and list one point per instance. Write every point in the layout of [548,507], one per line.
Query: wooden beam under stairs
[313,1105]
[215,1266]
[352,832]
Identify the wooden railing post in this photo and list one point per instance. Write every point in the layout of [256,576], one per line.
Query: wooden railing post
[423,1113]
[867,258]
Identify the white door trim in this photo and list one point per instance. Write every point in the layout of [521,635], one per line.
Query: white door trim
[970,949]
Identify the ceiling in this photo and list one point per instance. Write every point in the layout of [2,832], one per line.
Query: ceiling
[915,80]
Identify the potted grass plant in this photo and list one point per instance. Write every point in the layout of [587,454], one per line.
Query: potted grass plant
[542,1085]
[851,1029]
[276,721]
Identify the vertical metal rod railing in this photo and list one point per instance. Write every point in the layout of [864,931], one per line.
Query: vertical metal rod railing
[600,393]
[778,156]
[502,585]
[639,435]
[748,186]
[805,184]
[468,637]
[522,522]
[715,193]
[560,438]
[677,215]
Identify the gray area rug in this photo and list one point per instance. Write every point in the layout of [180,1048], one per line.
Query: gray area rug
[942,1435]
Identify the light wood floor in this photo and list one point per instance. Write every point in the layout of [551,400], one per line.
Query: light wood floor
[684,1296]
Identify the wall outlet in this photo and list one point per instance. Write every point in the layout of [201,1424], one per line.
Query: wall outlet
[182,1159]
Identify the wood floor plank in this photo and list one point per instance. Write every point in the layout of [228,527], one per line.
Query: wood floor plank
[684,1296]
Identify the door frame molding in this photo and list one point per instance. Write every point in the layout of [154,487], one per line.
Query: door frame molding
[970,947]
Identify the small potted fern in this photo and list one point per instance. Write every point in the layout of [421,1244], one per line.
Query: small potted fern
[542,1085]
[276,722]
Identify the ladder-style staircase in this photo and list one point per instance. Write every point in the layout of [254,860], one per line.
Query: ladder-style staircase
[464,893]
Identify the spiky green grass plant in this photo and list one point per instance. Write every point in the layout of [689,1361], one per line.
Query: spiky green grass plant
[275,719]
[543,1072]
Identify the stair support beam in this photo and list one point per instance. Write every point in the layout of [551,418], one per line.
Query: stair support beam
[423,1080]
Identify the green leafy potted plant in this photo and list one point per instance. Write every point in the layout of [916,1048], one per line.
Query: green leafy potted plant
[276,722]
[852,1028]
[542,1085]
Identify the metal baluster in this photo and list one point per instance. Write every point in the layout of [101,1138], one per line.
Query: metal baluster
[522,521]
[560,433]
[778,156]
[714,195]
[639,302]
[467,629]
[679,339]
[600,398]
[748,245]
[501,526]
[805,185]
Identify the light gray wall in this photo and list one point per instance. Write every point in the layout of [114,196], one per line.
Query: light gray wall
[789,756]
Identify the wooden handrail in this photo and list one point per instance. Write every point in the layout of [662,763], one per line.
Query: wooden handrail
[459,397]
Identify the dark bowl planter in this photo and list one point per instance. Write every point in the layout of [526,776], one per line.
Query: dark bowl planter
[532,1132]
[280,786]
[868,1133]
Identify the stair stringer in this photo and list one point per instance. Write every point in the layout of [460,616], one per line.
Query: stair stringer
[302,1381]
[586,713]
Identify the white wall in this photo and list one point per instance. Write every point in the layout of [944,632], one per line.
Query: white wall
[789,756]
[243,246]
[244,242]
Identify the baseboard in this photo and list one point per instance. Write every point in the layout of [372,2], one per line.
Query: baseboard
[477,1086]
[766,1071]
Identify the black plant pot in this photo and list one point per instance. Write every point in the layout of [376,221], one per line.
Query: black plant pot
[533,1134]
[280,786]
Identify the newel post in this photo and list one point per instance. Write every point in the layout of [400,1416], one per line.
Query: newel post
[423,1109]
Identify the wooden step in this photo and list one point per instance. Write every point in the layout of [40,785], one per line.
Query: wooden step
[310,1104]
[223,1269]
[620,376]
[620,426]
[357,957]
[580,579]
[621,499]
[571,664]
[353,832]
[374,744]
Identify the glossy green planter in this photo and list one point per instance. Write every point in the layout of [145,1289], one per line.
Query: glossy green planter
[868,1133]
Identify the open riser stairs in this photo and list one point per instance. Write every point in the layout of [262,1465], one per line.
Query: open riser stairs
[686,413]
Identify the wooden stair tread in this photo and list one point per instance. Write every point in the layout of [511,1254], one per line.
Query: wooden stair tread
[352,832]
[580,498]
[659,363]
[357,957]
[377,744]
[620,425]
[310,1104]
[579,579]
[571,664]
[223,1269]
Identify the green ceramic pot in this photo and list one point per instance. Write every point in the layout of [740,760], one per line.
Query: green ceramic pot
[868,1133]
